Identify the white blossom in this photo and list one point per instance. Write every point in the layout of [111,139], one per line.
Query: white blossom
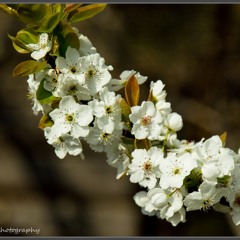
[118,157]
[142,200]
[157,91]
[96,73]
[70,64]
[174,168]
[101,141]
[159,95]
[143,168]
[32,91]
[107,110]
[72,118]
[173,121]
[72,87]
[206,196]
[173,211]
[63,144]
[164,204]
[86,47]
[146,121]
[117,84]
[214,160]
[158,197]
[233,196]
[51,80]
[41,48]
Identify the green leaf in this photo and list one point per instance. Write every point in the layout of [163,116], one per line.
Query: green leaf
[45,121]
[24,37]
[57,7]
[125,110]
[132,91]
[44,96]
[87,12]
[28,67]
[49,23]
[19,46]
[71,7]
[9,10]
[32,14]
[27,35]
[66,37]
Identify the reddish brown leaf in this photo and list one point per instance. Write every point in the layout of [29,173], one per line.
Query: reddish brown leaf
[132,91]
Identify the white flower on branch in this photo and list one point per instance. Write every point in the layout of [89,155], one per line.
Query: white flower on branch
[173,121]
[144,167]
[68,86]
[96,74]
[70,65]
[101,141]
[174,168]
[63,144]
[41,48]
[107,110]
[214,160]
[206,196]
[147,121]
[33,85]
[72,118]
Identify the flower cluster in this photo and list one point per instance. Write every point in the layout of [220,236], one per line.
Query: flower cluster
[82,106]
[140,140]
[192,176]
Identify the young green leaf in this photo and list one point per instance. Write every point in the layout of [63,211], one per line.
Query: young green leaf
[19,46]
[132,91]
[66,37]
[32,14]
[48,23]
[28,67]
[87,12]
[125,108]
[71,7]
[9,10]
[24,37]
[44,96]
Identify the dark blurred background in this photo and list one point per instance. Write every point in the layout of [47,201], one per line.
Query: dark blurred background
[194,49]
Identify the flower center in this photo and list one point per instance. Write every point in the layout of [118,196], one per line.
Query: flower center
[146,120]
[91,72]
[206,204]
[109,110]
[72,89]
[43,45]
[147,166]
[54,80]
[73,70]
[105,138]
[69,118]
[176,171]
